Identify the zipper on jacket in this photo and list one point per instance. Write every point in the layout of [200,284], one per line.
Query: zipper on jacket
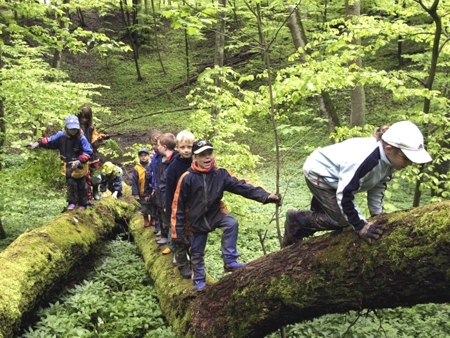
[205,190]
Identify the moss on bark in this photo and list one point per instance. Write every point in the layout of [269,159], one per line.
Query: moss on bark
[36,260]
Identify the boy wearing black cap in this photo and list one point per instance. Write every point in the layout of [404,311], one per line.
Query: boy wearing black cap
[138,184]
[197,209]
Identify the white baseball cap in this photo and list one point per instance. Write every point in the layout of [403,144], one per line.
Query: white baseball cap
[407,136]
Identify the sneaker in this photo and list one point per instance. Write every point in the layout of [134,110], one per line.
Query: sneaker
[82,207]
[166,251]
[96,196]
[71,206]
[157,234]
[230,267]
[146,223]
[90,203]
[161,241]
[185,271]
[199,285]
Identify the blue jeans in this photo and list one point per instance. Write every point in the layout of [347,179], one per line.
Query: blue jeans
[229,227]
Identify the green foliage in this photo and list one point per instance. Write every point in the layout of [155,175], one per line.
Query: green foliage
[118,301]
[32,195]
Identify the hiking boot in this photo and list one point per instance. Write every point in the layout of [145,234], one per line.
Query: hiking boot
[294,227]
[230,267]
[166,251]
[199,285]
[82,207]
[161,241]
[71,206]
[185,271]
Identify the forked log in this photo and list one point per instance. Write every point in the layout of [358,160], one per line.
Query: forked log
[38,259]
[333,273]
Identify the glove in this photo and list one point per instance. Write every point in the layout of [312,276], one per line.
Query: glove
[33,145]
[75,164]
[114,194]
[371,230]
[274,198]
[104,194]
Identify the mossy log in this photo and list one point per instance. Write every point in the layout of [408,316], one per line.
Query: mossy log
[333,273]
[38,259]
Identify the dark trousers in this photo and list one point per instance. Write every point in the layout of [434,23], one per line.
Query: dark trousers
[77,191]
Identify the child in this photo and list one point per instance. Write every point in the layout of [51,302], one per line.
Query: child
[111,179]
[334,174]
[138,184]
[150,184]
[197,209]
[95,140]
[166,151]
[180,163]
[74,150]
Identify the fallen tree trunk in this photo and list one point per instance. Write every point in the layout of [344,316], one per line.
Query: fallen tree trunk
[38,259]
[333,273]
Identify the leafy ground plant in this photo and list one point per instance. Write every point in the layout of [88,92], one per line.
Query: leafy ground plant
[117,301]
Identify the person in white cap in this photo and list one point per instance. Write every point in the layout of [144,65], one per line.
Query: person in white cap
[336,173]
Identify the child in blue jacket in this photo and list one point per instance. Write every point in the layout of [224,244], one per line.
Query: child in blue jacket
[75,151]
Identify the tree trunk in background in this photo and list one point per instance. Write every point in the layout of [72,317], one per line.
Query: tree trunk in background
[219,49]
[127,23]
[358,96]
[57,55]
[326,107]
[333,273]
[155,30]
[435,51]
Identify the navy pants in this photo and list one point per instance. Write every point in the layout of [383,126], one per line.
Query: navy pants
[229,227]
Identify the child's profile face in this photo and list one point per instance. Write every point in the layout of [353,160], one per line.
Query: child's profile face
[143,157]
[154,146]
[204,159]
[161,149]
[185,148]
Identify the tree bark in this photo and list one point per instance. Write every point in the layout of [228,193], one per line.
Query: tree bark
[333,273]
[38,259]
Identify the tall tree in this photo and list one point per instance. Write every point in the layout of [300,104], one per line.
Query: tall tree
[323,99]
[358,96]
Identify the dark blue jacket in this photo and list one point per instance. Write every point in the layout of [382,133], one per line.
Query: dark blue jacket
[177,167]
[197,206]
[71,148]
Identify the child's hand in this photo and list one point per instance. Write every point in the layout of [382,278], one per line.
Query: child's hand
[33,145]
[274,198]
